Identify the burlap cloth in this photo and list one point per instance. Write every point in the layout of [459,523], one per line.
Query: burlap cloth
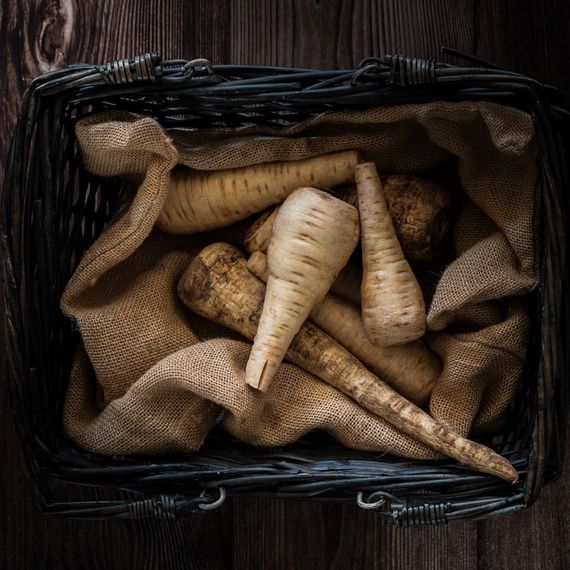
[150,377]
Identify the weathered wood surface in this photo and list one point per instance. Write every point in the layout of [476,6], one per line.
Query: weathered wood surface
[532,37]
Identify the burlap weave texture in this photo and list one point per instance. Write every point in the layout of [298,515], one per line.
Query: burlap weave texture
[152,377]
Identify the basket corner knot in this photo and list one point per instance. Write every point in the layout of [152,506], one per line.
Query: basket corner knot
[142,68]
[416,515]
[406,70]
[162,508]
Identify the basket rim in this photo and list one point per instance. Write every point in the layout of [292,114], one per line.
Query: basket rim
[398,79]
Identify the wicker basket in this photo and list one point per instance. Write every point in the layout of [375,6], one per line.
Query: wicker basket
[52,210]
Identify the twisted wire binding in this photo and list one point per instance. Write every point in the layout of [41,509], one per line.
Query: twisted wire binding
[400,513]
[407,516]
[142,68]
[410,70]
[163,508]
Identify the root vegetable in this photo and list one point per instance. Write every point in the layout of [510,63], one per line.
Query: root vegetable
[258,235]
[217,285]
[313,236]
[411,369]
[199,201]
[420,210]
[393,310]
[347,284]
[257,264]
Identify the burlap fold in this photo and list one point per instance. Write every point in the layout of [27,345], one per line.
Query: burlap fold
[150,377]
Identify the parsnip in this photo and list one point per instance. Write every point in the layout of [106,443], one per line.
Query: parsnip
[411,369]
[393,310]
[217,285]
[421,212]
[313,236]
[259,233]
[346,285]
[199,201]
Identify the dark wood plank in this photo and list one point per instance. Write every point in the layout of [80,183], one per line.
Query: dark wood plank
[531,37]
[537,43]
[536,539]
[277,535]
[40,36]
[331,33]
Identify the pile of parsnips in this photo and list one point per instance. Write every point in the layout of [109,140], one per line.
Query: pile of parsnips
[372,353]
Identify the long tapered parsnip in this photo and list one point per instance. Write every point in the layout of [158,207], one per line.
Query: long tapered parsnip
[411,369]
[421,211]
[347,283]
[199,201]
[217,285]
[313,236]
[393,310]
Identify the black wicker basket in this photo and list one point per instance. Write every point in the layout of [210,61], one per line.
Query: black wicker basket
[52,210]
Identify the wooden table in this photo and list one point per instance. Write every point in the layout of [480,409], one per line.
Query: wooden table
[532,37]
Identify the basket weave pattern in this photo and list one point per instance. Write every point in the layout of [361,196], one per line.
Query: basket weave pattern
[53,210]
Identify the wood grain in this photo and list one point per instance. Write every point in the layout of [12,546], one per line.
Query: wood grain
[342,536]
[536,539]
[531,37]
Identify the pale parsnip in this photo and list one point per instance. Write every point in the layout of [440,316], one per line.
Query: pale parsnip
[393,309]
[199,201]
[313,236]
[346,285]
